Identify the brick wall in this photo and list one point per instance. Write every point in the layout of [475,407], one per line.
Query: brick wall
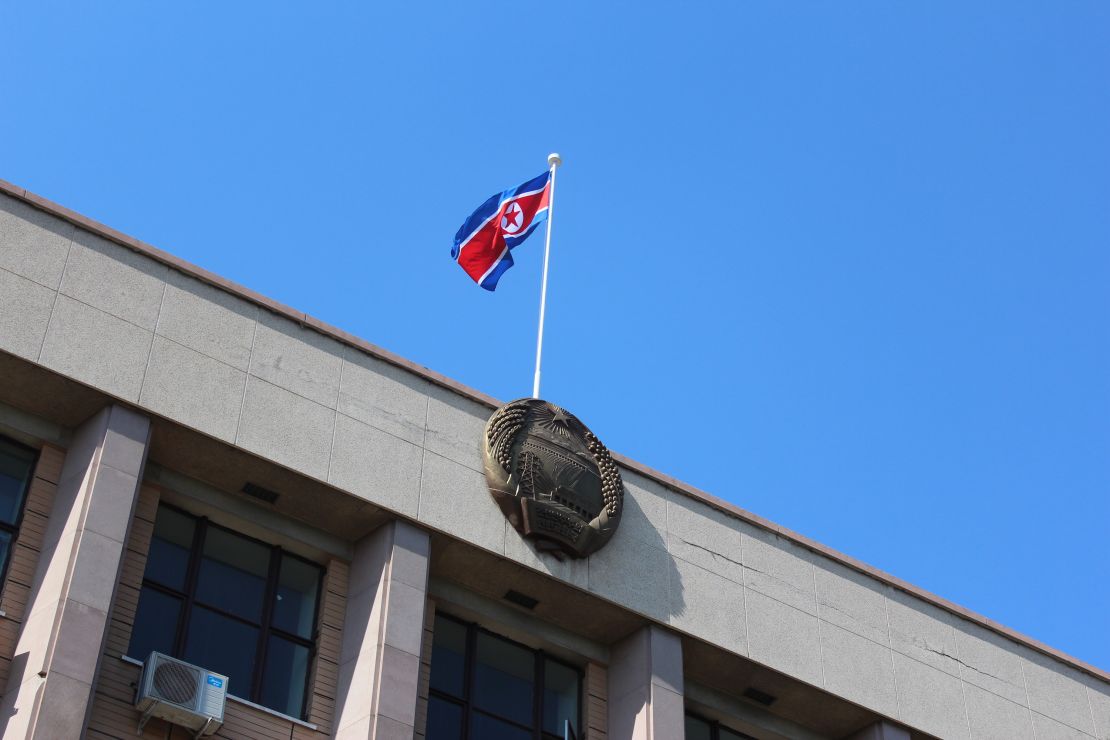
[25,553]
[595,716]
[325,673]
[424,685]
[113,714]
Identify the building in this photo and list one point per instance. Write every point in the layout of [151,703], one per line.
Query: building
[190,467]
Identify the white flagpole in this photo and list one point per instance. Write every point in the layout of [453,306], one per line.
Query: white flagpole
[554,160]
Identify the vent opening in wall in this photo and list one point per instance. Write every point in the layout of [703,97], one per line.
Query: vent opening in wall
[760,697]
[516,597]
[260,493]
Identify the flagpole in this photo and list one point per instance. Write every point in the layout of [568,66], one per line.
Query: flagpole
[554,160]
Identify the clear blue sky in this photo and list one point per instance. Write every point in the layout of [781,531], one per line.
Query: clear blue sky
[846,265]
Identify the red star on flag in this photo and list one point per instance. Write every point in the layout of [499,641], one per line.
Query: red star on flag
[512,218]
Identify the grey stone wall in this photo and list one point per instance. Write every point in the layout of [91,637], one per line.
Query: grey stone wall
[135,328]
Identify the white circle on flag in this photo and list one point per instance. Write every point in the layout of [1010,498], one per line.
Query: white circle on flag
[512,219]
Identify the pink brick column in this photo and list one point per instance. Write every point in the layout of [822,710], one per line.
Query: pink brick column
[379,661]
[881,730]
[50,687]
[646,688]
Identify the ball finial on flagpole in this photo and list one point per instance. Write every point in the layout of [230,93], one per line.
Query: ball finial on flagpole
[554,159]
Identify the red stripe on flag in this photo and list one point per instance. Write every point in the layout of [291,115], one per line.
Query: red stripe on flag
[486,245]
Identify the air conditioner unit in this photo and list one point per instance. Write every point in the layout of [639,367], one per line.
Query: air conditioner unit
[181,693]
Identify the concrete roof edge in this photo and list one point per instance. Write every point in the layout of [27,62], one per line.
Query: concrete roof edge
[860,566]
[240,291]
[441,380]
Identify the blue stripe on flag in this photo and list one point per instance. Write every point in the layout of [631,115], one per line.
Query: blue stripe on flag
[536,183]
[474,221]
[512,241]
[491,280]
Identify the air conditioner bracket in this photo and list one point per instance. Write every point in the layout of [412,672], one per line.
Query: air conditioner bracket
[203,731]
[146,718]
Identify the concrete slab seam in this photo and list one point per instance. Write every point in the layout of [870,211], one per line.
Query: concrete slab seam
[331,449]
[960,676]
[366,424]
[246,377]
[1060,722]
[743,591]
[342,355]
[423,455]
[314,475]
[890,652]
[335,423]
[420,484]
[57,292]
[817,607]
[154,333]
[291,392]
[100,310]
[23,278]
[1090,707]
[1028,701]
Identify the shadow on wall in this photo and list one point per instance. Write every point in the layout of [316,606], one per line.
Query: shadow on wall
[635,569]
[15,679]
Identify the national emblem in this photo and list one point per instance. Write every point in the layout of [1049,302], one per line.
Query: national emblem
[552,478]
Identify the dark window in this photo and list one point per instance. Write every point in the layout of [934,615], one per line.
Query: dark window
[17,464]
[231,604]
[698,728]
[484,687]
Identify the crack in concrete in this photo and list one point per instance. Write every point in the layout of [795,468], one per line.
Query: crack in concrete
[942,653]
[966,665]
[748,567]
[715,554]
[853,617]
[827,605]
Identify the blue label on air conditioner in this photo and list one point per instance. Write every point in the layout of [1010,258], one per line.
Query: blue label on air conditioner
[215,681]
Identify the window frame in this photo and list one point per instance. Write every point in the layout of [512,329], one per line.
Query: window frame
[715,726]
[13,528]
[265,627]
[470,669]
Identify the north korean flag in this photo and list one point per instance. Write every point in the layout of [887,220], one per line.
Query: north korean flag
[483,244]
